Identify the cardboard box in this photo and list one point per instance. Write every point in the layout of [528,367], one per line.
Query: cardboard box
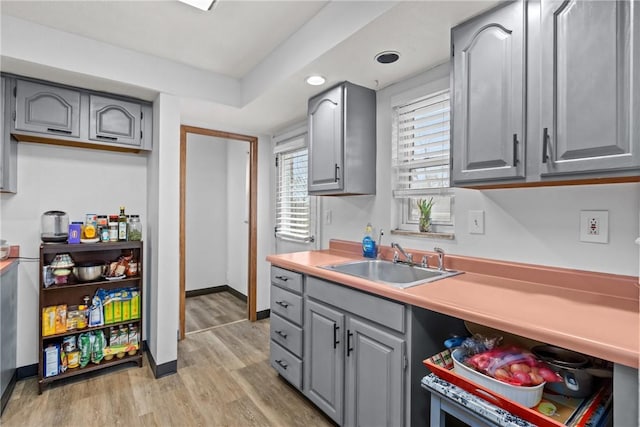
[51,360]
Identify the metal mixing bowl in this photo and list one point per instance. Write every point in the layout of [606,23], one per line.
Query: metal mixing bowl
[88,271]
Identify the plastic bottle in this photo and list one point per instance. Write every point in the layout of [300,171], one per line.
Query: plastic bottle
[368,244]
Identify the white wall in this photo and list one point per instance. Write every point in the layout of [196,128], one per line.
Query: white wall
[74,180]
[206,211]
[533,225]
[237,206]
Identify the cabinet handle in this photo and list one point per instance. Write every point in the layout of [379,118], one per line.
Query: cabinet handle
[515,149]
[281,363]
[283,278]
[349,348]
[66,132]
[282,334]
[337,177]
[282,304]
[109,138]
[545,142]
[335,335]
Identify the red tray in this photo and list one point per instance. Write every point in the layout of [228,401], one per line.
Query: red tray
[446,373]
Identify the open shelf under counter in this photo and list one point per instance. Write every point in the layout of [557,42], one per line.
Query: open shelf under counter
[72,372]
[109,283]
[55,248]
[89,329]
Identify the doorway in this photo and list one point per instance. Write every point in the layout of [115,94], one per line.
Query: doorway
[249,216]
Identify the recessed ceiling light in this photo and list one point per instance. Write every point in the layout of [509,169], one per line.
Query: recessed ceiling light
[315,80]
[200,4]
[387,57]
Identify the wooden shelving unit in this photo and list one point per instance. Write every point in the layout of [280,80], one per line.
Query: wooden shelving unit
[72,293]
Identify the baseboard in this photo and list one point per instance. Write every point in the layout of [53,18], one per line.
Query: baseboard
[236,294]
[159,371]
[205,291]
[263,314]
[27,371]
[7,392]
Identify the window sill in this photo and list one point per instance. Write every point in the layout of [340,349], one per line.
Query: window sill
[444,236]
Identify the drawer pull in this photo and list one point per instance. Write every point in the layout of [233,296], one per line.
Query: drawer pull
[515,150]
[281,363]
[283,278]
[66,132]
[283,304]
[335,335]
[282,334]
[349,348]
[545,143]
[108,138]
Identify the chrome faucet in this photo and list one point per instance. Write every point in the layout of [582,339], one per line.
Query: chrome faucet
[379,243]
[440,258]
[396,258]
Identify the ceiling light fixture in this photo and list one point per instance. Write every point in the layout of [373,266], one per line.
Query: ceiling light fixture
[315,80]
[200,4]
[387,57]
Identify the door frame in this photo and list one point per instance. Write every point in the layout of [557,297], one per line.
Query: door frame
[253,205]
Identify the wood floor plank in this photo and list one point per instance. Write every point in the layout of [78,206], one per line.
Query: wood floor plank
[205,311]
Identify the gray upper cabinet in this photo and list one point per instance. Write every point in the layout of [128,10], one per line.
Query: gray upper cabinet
[590,94]
[324,364]
[488,81]
[8,145]
[51,113]
[114,120]
[342,141]
[375,376]
[47,109]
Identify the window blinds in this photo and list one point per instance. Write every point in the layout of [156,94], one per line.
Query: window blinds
[292,204]
[421,148]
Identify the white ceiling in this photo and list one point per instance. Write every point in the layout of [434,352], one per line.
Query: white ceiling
[239,39]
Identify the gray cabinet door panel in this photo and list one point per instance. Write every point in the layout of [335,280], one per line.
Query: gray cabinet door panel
[9,322]
[324,358]
[114,120]
[326,125]
[590,86]
[286,334]
[489,96]
[286,279]
[375,376]
[47,109]
[287,365]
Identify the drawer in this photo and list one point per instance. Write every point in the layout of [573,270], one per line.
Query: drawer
[376,309]
[287,365]
[286,334]
[286,279]
[286,304]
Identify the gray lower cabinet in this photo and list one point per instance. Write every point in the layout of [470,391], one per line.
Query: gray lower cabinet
[47,109]
[342,141]
[8,330]
[590,94]
[286,345]
[354,369]
[488,102]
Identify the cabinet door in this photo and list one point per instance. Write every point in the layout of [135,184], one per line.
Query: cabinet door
[375,376]
[590,86]
[47,109]
[324,358]
[488,99]
[9,321]
[326,132]
[113,120]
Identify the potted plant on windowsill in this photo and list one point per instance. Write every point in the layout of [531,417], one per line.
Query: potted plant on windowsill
[425,214]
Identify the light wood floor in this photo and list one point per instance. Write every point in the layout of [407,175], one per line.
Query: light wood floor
[223,379]
[219,308]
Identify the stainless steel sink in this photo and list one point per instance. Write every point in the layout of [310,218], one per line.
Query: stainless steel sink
[398,275]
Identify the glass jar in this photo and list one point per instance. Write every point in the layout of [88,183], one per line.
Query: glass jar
[113,228]
[135,228]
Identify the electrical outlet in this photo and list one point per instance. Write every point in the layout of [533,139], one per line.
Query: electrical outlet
[594,226]
[476,222]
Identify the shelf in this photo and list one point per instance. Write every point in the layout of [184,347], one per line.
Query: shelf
[85,284]
[54,248]
[93,367]
[94,328]
[430,235]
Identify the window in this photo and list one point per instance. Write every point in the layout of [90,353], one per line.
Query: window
[421,158]
[292,200]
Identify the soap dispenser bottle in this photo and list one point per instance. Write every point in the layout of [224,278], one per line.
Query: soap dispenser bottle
[368,244]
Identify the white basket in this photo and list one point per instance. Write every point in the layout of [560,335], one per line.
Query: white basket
[526,396]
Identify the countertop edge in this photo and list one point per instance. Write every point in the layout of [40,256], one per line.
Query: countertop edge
[14,253]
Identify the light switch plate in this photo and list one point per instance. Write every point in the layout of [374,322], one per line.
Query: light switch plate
[594,226]
[476,222]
